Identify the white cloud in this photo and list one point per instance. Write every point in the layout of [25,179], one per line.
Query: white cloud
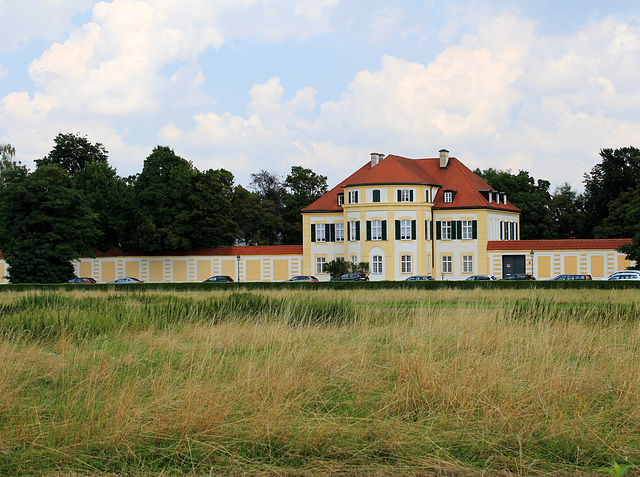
[3,72]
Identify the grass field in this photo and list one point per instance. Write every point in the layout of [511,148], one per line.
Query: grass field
[319,382]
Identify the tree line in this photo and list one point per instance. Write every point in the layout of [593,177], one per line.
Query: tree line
[74,202]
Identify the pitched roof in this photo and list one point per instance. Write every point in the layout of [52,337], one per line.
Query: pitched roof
[567,244]
[403,171]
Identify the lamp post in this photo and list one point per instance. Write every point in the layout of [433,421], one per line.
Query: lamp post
[238,259]
[532,254]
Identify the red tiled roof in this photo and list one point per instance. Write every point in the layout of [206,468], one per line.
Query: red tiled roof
[207,251]
[400,170]
[568,244]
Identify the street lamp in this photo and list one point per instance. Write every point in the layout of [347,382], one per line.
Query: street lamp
[532,254]
[238,259]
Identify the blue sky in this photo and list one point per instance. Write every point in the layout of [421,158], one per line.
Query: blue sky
[248,85]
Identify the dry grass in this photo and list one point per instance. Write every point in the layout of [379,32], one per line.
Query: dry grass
[414,383]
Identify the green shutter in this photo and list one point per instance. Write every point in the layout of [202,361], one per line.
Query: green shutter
[411,195]
[426,230]
[332,232]
[413,230]
[313,232]
[384,230]
[474,229]
[458,233]
[348,231]
[368,230]
[357,230]
[397,230]
[438,230]
[399,193]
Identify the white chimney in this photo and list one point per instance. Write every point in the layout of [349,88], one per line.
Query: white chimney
[444,158]
[375,158]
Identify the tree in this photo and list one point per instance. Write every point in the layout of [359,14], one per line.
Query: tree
[303,186]
[44,225]
[336,268]
[568,216]
[531,197]
[269,186]
[8,166]
[618,172]
[180,208]
[73,153]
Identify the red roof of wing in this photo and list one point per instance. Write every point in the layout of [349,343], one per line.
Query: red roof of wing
[400,170]
[207,251]
[567,244]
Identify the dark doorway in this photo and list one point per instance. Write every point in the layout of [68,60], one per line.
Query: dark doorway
[513,264]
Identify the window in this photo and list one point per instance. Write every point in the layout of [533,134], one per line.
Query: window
[405,195]
[353,196]
[447,264]
[376,230]
[340,199]
[405,230]
[354,230]
[376,195]
[354,259]
[405,264]
[467,264]
[427,230]
[445,230]
[467,229]
[320,233]
[339,232]
[376,264]
[320,263]
[448,197]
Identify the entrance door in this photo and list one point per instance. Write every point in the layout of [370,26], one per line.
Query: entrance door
[513,264]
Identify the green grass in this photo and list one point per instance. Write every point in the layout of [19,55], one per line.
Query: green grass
[318,382]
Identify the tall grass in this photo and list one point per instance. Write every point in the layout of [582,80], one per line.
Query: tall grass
[318,382]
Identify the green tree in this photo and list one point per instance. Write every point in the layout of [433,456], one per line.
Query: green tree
[303,186]
[8,166]
[73,153]
[568,216]
[247,215]
[335,268]
[180,208]
[45,225]
[531,197]
[618,173]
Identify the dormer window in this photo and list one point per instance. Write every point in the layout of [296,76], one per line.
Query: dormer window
[448,197]
[340,200]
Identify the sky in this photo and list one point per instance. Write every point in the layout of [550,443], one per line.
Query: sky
[251,85]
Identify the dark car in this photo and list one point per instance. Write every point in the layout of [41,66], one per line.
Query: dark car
[351,277]
[573,277]
[219,278]
[303,278]
[82,280]
[415,278]
[519,276]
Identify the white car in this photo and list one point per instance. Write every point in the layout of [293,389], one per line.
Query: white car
[126,280]
[481,277]
[625,275]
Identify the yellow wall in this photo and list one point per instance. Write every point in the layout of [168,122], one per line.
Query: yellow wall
[597,266]
[85,269]
[544,267]
[229,267]
[623,263]
[179,270]
[280,270]
[108,271]
[204,270]
[156,270]
[571,264]
[132,268]
[252,270]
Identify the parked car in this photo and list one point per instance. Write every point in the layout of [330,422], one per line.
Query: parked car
[303,278]
[573,277]
[625,273]
[624,276]
[519,276]
[82,280]
[351,277]
[127,280]
[481,277]
[416,278]
[219,278]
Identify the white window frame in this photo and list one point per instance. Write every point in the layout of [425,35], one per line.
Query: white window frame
[447,264]
[467,264]
[321,232]
[446,230]
[340,199]
[448,197]
[352,230]
[376,265]
[428,230]
[353,196]
[405,195]
[354,259]
[320,264]
[405,229]
[376,230]
[406,264]
[467,229]
[339,231]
